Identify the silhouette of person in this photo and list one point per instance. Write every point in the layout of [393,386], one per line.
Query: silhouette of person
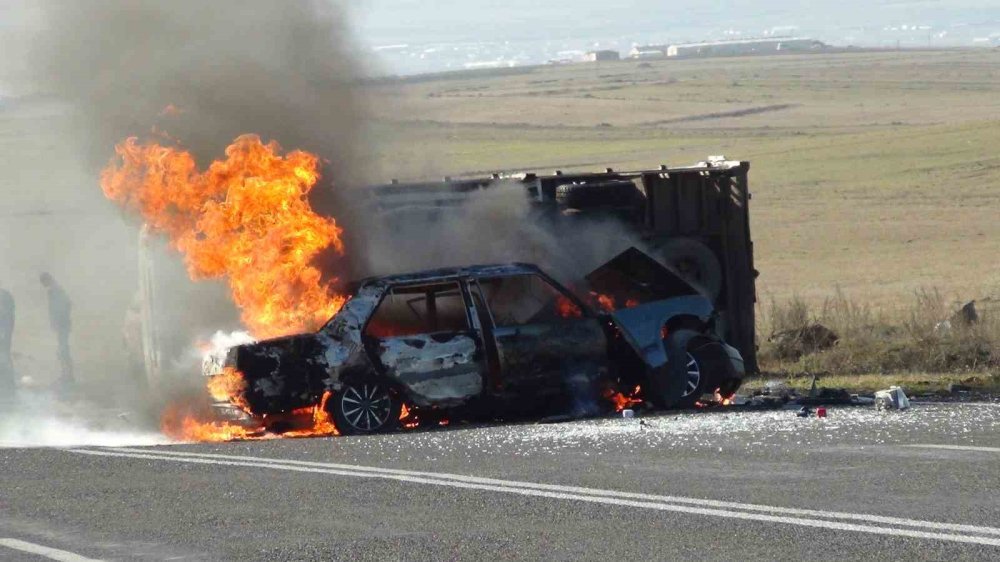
[60,318]
[7,385]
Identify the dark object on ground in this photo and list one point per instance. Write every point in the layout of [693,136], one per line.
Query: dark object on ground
[827,397]
[494,338]
[804,412]
[966,316]
[765,402]
[793,344]
[706,204]
[955,387]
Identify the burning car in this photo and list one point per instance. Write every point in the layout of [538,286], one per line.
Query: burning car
[492,336]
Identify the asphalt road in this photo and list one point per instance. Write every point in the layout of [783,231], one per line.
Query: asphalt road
[728,485]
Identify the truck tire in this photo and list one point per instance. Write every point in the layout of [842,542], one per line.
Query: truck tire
[365,406]
[614,193]
[695,262]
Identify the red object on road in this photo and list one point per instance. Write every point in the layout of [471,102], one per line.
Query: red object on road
[820,412]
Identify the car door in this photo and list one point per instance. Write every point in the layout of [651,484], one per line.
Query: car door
[544,337]
[424,340]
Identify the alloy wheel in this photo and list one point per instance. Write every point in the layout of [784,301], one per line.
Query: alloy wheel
[693,372]
[367,407]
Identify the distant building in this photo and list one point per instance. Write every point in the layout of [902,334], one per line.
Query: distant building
[737,47]
[648,52]
[597,56]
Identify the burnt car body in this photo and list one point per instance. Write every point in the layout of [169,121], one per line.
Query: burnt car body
[694,219]
[497,335]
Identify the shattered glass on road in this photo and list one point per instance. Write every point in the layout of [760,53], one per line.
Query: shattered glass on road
[729,430]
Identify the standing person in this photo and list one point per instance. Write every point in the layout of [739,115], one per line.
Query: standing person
[60,310]
[7,385]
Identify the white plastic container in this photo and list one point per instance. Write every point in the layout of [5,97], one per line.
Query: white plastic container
[892,399]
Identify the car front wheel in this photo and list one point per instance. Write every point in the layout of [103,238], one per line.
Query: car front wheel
[364,407]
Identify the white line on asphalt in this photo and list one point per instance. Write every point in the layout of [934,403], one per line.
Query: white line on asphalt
[609,497]
[50,553]
[588,491]
[957,448]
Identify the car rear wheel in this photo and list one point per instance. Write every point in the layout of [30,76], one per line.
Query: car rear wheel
[696,381]
[682,383]
[363,407]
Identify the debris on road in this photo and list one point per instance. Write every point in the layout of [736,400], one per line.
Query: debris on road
[892,399]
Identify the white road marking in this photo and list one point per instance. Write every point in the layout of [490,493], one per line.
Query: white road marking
[588,491]
[733,510]
[50,553]
[957,448]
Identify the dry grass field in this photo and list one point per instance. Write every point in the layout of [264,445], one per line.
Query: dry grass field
[874,173]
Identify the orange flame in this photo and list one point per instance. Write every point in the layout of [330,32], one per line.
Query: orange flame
[606,302]
[246,218]
[623,401]
[723,400]
[229,386]
[180,422]
[183,424]
[407,418]
[322,423]
[567,308]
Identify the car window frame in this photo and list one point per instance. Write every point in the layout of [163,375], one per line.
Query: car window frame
[469,327]
[585,312]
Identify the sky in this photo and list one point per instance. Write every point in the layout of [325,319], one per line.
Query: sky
[518,32]
[418,20]
[514,32]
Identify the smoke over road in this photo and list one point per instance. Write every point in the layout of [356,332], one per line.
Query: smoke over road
[195,74]
[35,420]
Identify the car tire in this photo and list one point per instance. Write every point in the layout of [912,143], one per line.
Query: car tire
[711,362]
[696,381]
[668,384]
[364,407]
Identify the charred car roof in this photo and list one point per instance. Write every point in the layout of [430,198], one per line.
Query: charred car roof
[451,273]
